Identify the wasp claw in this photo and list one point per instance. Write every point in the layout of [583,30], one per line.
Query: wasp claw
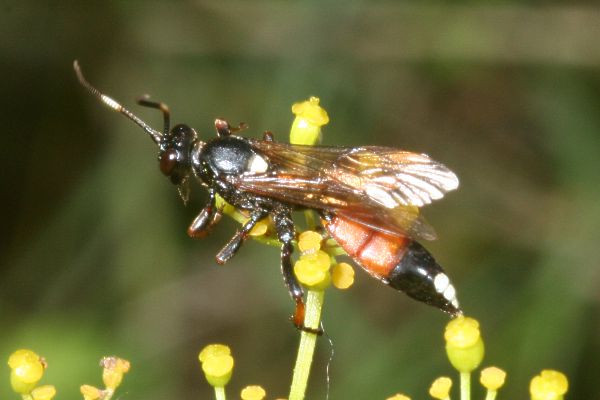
[304,328]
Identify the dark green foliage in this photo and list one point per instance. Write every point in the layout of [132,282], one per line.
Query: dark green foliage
[95,259]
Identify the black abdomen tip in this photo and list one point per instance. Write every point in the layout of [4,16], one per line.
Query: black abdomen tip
[420,276]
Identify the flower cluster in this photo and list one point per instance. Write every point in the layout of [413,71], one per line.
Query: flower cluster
[464,347]
[316,268]
[217,364]
[465,350]
[27,369]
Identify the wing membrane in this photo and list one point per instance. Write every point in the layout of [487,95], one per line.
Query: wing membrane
[379,187]
[395,178]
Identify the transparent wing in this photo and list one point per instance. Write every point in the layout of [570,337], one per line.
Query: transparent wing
[379,187]
[393,178]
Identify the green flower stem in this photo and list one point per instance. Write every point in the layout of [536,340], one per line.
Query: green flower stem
[308,341]
[491,395]
[465,386]
[334,249]
[270,241]
[220,392]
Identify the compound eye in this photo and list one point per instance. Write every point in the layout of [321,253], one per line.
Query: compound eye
[168,162]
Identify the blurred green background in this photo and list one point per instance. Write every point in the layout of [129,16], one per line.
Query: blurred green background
[95,259]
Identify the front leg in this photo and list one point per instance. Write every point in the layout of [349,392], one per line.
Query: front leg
[206,219]
[236,241]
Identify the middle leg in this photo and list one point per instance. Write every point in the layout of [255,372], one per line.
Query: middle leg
[236,241]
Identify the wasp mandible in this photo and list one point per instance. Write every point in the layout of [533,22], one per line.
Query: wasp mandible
[367,198]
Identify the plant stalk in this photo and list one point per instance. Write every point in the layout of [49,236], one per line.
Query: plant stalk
[491,395]
[220,392]
[308,341]
[465,386]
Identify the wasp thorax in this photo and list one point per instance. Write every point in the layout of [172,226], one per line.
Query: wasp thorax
[175,153]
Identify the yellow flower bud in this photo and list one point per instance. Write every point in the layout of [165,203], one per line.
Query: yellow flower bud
[309,242]
[306,128]
[218,370]
[27,368]
[440,388]
[321,259]
[311,111]
[398,396]
[116,364]
[112,379]
[548,385]
[310,276]
[90,392]
[260,228]
[462,332]
[45,392]
[217,364]
[312,270]
[464,345]
[213,350]
[23,356]
[492,378]
[114,369]
[253,393]
[342,275]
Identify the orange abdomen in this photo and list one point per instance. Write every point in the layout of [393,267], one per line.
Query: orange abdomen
[375,251]
[398,261]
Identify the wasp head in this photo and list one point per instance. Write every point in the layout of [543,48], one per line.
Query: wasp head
[175,145]
[175,153]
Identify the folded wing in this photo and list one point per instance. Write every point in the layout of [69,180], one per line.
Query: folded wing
[379,187]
